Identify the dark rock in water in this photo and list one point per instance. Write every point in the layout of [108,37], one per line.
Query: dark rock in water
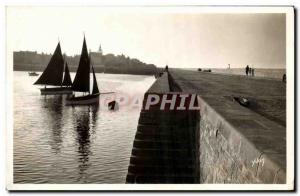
[199,69]
[113,105]
[242,101]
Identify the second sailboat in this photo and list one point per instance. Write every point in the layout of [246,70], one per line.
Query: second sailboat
[81,82]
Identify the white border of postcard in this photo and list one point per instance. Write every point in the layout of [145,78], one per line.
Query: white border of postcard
[288,10]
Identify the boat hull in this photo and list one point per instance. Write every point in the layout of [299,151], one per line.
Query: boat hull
[56,91]
[33,74]
[83,100]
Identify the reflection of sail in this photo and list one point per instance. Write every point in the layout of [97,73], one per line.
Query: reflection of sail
[94,114]
[85,121]
[54,109]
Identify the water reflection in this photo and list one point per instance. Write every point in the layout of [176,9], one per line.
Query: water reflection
[53,107]
[49,146]
[85,121]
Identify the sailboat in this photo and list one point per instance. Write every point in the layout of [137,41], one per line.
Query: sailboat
[53,75]
[32,73]
[81,82]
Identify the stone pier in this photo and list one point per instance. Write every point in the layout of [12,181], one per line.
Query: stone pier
[223,142]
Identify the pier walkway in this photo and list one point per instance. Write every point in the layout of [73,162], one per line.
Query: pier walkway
[224,142]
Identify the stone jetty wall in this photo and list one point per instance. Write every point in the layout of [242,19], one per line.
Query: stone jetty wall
[238,144]
[220,143]
[226,156]
[165,149]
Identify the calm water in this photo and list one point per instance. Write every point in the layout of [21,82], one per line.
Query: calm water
[258,72]
[54,143]
[265,73]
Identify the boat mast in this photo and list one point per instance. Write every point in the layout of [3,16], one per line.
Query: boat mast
[90,70]
[64,69]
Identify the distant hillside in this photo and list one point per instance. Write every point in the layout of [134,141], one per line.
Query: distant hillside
[108,63]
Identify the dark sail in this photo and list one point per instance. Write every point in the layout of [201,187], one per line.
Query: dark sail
[95,85]
[53,74]
[67,79]
[81,82]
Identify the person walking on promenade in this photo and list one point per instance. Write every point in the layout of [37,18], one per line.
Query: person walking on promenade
[252,71]
[284,78]
[247,70]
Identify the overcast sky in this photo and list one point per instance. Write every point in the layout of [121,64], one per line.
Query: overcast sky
[177,39]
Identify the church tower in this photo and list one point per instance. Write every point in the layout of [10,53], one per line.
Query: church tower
[100,50]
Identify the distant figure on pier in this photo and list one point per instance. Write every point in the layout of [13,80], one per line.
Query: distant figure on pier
[252,71]
[247,70]
[284,78]
[166,69]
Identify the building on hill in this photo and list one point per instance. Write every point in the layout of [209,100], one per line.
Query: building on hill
[96,58]
[108,63]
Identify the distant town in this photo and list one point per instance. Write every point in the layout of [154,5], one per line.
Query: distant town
[107,63]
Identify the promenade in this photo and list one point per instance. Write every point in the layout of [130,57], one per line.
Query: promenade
[267,96]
